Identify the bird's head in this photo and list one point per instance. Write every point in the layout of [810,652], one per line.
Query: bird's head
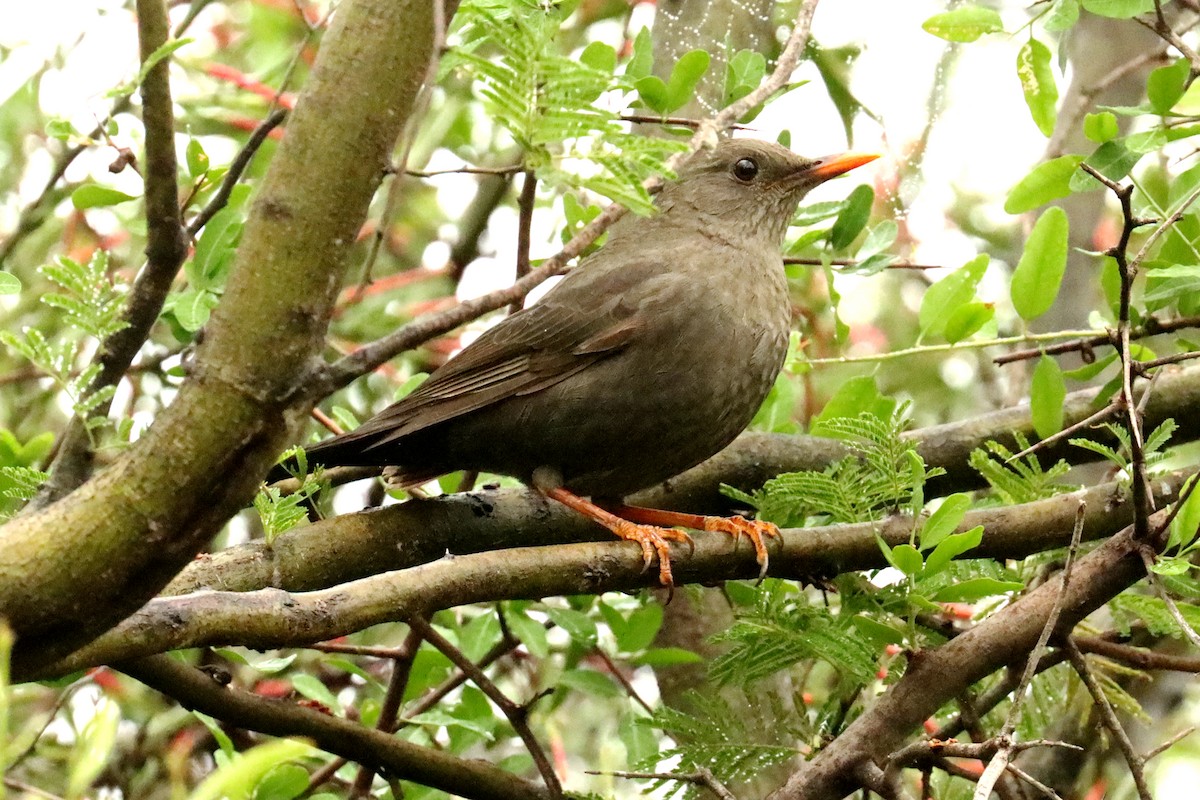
[751,186]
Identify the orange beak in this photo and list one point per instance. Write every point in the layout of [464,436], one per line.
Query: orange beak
[828,167]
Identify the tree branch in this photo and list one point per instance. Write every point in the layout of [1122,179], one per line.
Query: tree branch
[467,777]
[268,618]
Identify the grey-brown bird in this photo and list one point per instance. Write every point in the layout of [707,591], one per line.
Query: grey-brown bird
[649,357]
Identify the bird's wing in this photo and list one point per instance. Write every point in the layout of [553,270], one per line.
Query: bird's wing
[529,351]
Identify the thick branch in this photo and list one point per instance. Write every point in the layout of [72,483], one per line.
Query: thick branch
[166,247]
[276,618]
[112,544]
[935,677]
[465,777]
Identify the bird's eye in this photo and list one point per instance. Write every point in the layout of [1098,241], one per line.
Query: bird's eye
[745,169]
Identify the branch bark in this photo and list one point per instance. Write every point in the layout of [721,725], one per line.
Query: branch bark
[267,618]
[75,568]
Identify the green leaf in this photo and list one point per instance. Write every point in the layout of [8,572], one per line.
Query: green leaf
[968,320]
[93,195]
[1048,181]
[944,520]
[1038,276]
[589,681]
[580,626]
[949,548]
[1061,16]
[284,782]
[638,631]
[599,56]
[1037,82]
[853,217]
[686,73]
[1186,525]
[311,687]
[949,294]
[531,632]
[192,309]
[1119,9]
[196,158]
[1166,85]
[964,24]
[642,62]
[905,558]
[1046,397]
[9,283]
[1112,159]
[975,589]
[1101,127]
[666,657]
[854,396]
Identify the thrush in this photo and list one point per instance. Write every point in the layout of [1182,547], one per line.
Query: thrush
[648,358]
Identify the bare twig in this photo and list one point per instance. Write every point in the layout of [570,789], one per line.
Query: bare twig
[1109,718]
[236,167]
[402,662]
[525,205]
[517,714]
[1169,743]
[1095,419]
[1151,327]
[1004,753]
[701,777]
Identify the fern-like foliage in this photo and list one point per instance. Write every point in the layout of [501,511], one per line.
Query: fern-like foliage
[91,304]
[1152,446]
[548,101]
[736,745]
[1021,480]
[885,474]
[783,630]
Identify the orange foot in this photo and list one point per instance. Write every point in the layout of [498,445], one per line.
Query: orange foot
[736,527]
[752,529]
[654,539]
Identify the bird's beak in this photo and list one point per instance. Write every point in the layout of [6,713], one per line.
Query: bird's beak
[828,167]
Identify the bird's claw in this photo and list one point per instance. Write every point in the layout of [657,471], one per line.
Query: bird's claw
[754,530]
[655,542]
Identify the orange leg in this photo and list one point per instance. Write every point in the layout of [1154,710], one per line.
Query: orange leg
[736,527]
[654,539]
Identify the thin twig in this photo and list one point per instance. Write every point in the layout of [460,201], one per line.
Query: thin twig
[525,205]
[1001,761]
[1151,327]
[701,777]
[511,169]
[1109,718]
[402,663]
[1169,743]
[1095,419]
[850,262]
[517,714]
[236,167]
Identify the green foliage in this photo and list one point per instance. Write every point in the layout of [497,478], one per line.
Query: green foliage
[1018,480]
[547,100]
[280,512]
[948,305]
[1152,447]
[964,24]
[783,630]
[90,305]
[736,743]
[1039,273]
[1037,82]
[884,474]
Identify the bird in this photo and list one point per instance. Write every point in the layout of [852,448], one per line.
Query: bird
[649,357]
